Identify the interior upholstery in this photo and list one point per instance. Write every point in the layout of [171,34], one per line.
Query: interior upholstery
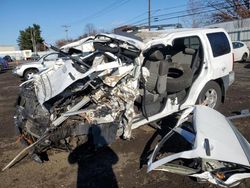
[188,56]
[185,56]
[156,56]
[158,68]
[156,84]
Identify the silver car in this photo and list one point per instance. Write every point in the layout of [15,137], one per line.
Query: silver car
[27,70]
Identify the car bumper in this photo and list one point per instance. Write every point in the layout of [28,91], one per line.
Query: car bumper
[228,80]
[231,78]
[17,72]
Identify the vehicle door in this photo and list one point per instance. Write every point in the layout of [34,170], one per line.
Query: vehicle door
[49,60]
[220,52]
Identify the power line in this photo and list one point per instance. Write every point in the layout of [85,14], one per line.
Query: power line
[152,12]
[137,16]
[131,19]
[173,13]
[102,12]
[143,21]
[185,15]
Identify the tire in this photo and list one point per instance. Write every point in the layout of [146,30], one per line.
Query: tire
[244,58]
[29,73]
[179,78]
[210,95]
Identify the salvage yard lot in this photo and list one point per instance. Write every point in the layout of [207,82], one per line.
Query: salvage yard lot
[114,166]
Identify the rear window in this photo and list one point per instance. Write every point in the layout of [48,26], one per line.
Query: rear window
[237,45]
[51,57]
[219,43]
[192,42]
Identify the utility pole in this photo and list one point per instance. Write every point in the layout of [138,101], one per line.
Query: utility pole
[33,39]
[66,30]
[149,15]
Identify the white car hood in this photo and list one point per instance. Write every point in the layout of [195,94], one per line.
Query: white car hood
[225,141]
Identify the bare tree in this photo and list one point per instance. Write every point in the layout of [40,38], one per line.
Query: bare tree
[61,42]
[228,10]
[90,29]
[194,18]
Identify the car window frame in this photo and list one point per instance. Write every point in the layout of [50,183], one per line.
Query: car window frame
[44,58]
[241,44]
[235,45]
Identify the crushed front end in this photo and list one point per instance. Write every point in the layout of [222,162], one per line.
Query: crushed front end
[81,97]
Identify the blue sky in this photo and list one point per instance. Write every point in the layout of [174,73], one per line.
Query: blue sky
[16,15]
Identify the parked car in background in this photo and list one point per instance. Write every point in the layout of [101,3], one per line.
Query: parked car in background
[34,57]
[27,70]
[7,58]
[241,51]
[3,64]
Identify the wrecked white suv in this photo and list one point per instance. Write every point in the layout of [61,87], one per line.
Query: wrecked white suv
[123,84]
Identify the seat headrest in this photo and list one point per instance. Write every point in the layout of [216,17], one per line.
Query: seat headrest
[189,51]
[156,56]
[179,44]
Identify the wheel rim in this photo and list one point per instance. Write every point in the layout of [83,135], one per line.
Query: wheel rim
[210,98]
[29,75]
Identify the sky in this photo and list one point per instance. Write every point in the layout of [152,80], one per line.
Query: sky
[51,15]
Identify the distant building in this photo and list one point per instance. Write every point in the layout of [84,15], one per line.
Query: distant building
[4,48]
[237,29]
[14,53]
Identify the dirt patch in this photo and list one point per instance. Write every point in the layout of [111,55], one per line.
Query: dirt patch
[9,88]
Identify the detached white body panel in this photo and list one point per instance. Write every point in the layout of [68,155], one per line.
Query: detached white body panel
[212,125]
[85,45]
[215,141]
